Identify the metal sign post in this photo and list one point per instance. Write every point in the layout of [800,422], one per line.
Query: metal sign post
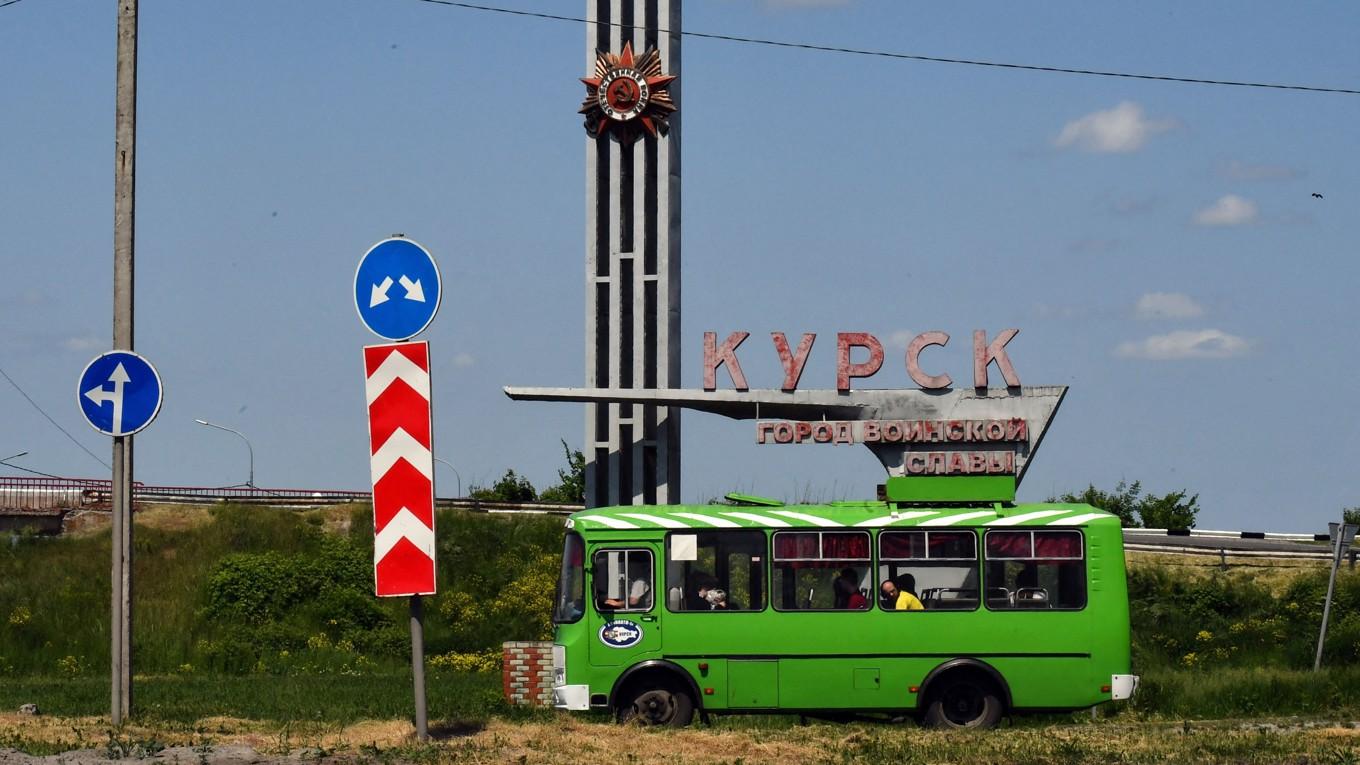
[119,393]
[418,666]
[400,427]
[1342,535]
[124,186]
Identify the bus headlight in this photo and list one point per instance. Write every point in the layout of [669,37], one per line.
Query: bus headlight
[559,665]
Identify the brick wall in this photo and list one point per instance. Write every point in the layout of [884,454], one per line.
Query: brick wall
[526,673]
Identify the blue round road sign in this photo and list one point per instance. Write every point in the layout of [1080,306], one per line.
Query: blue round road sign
[119,393]
[396,289]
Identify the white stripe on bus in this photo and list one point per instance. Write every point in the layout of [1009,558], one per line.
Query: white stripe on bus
[889,520]
[721,523]
[763,520]
[665,523]
[1016,520]
[612,523]
[1077,519]
[950,520]
[814,520]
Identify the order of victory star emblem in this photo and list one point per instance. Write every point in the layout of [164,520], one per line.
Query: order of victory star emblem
[627,95]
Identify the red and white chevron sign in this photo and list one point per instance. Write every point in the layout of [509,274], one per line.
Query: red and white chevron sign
[402,467]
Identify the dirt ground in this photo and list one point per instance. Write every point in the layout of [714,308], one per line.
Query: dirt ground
[566,739]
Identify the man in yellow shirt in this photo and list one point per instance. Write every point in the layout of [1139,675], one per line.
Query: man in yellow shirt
[901,597]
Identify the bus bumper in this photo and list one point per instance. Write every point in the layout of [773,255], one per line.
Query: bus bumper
[573,698]
[1122,686]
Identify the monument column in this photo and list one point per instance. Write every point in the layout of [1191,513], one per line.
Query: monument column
[632,302]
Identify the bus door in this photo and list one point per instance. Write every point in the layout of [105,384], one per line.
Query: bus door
[624,611]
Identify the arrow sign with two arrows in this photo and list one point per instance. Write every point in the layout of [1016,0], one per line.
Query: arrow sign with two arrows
[119,393]
[397,314]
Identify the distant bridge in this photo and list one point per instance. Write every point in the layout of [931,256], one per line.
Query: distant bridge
[45,502]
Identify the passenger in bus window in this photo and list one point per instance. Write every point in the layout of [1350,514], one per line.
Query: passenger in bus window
[902,596]
[848,595]
[708,596]
[637,596]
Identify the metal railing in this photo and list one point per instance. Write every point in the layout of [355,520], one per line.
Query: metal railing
[52,494]
[24,494]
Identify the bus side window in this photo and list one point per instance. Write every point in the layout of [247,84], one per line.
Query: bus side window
[822,570]
[1035,570]
[937,569]
[623,580]
[715,571]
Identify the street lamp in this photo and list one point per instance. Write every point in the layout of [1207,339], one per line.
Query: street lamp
[455,473]
[249,450]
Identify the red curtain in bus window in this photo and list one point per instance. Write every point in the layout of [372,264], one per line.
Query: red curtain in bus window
[1008,544]
[953,544]
[1057,544]
[790,545]
[845,545]
[902,544]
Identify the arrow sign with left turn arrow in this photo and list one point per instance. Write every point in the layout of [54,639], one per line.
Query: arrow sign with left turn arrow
[119,393]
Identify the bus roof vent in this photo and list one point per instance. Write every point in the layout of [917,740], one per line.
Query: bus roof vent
[751,500]
[978,489]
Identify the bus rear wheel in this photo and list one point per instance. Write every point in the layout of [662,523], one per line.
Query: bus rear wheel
[662,705]
[965,701]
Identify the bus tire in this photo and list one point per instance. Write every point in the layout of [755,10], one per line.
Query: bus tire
[657,703]
[964,700]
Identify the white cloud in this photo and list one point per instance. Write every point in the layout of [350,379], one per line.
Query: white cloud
[464,360]
[1119,130]
[1229,210]
[84,343]
[1185,344]
[1237,170]
[1167,305]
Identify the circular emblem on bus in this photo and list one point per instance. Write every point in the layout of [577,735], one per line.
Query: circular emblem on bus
[628,95]
[620,634]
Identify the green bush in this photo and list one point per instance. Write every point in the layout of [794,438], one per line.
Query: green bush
[1231,619]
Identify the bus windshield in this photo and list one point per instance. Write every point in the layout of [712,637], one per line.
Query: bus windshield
[571,590]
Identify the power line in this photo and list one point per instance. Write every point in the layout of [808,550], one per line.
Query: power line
[2,5]
[29,470]
[906,56]
[44,414]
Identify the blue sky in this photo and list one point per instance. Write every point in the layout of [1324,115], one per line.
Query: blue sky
[1157,244]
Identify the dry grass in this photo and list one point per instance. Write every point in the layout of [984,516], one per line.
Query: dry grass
[566,739]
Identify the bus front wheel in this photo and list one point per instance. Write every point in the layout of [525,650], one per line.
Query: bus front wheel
[657,705]
[965,701]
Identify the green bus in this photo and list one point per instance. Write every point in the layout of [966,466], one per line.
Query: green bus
[663,612]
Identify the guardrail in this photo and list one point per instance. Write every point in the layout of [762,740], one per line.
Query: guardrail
[1229,534]
[52,494]
[24,495]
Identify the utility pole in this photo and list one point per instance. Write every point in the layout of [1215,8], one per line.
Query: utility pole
[124,185]
[1343,534]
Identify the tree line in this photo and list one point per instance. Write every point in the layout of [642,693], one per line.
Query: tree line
[1173,510]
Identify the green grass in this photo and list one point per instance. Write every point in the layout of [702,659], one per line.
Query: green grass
[330,699]
[1249,692]
[240,590]
[1167,695]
